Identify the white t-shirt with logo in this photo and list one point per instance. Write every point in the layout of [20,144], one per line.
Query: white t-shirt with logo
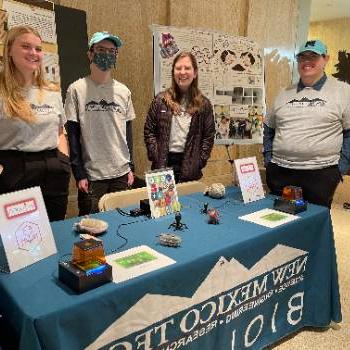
[42,134]
[102,111]
[309,125]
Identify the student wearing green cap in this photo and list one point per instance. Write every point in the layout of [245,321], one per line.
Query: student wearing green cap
[307,133]
[99,112]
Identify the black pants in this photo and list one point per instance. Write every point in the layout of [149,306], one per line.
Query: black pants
[84,203]
[98,188]
[175,162]
[48,169]
[318,185]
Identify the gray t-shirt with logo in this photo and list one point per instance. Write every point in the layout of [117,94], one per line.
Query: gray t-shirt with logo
[42,134]
[309,125]
[102,111]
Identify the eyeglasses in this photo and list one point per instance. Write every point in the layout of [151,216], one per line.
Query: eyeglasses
[102,49]
[308,57]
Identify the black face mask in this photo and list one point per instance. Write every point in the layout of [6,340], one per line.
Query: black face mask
[104,60]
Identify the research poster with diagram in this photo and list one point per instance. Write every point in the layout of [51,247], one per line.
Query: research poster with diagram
[231,76]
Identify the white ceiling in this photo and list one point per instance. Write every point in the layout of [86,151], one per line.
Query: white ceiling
[323,10]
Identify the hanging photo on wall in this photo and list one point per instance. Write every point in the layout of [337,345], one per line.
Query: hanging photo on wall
[162,194]
[41,19]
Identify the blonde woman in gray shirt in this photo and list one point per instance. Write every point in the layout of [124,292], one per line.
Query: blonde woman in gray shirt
[33,148]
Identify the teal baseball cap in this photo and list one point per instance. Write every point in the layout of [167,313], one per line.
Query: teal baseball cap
[316,46]
[99,36]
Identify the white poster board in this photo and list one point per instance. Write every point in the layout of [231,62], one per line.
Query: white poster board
[231,75]
[135,262]
[162,193]
[25,231]
[269,217]
[249,179]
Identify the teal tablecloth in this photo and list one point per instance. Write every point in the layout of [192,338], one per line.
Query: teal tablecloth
[235,285]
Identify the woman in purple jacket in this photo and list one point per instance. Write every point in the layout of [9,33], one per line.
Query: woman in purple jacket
[179,129]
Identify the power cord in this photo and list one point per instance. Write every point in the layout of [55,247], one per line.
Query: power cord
[133,212]
[117,232]
[122,212]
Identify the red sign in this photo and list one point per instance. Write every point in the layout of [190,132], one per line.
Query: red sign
[23,207]
[247,168]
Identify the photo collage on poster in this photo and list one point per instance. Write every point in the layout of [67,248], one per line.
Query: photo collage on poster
[231,75]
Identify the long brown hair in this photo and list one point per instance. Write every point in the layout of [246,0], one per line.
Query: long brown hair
[173,95]
[11,89]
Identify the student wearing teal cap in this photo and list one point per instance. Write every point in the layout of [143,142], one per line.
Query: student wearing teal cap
[307,133]
[99,112]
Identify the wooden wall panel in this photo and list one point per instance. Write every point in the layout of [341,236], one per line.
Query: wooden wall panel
[336,35]
[273,24]
[226,16]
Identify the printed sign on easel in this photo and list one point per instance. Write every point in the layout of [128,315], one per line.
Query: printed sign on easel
[162,192]
[249,179]
[25,231]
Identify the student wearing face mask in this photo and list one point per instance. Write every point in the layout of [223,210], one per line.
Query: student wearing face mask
[99,112]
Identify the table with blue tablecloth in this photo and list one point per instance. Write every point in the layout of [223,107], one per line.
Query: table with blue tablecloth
[235,285]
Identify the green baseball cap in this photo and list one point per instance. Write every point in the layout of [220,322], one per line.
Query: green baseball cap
[99,36]
[316,46]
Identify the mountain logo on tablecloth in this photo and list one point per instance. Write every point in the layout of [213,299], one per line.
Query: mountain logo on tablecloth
[224,276]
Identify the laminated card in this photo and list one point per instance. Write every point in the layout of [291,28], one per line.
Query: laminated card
[25,232]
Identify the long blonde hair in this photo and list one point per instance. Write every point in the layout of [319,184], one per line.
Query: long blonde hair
[173,95]
[11,89]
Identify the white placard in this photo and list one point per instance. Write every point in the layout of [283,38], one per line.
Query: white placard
[25,231]
[136,262]
[249,179]
[269,217]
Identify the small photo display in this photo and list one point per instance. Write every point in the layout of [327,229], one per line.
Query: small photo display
[162,194]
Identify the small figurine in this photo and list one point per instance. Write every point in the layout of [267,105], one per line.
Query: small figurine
[205,208]
[170,240]
[213,216]
[177,224]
